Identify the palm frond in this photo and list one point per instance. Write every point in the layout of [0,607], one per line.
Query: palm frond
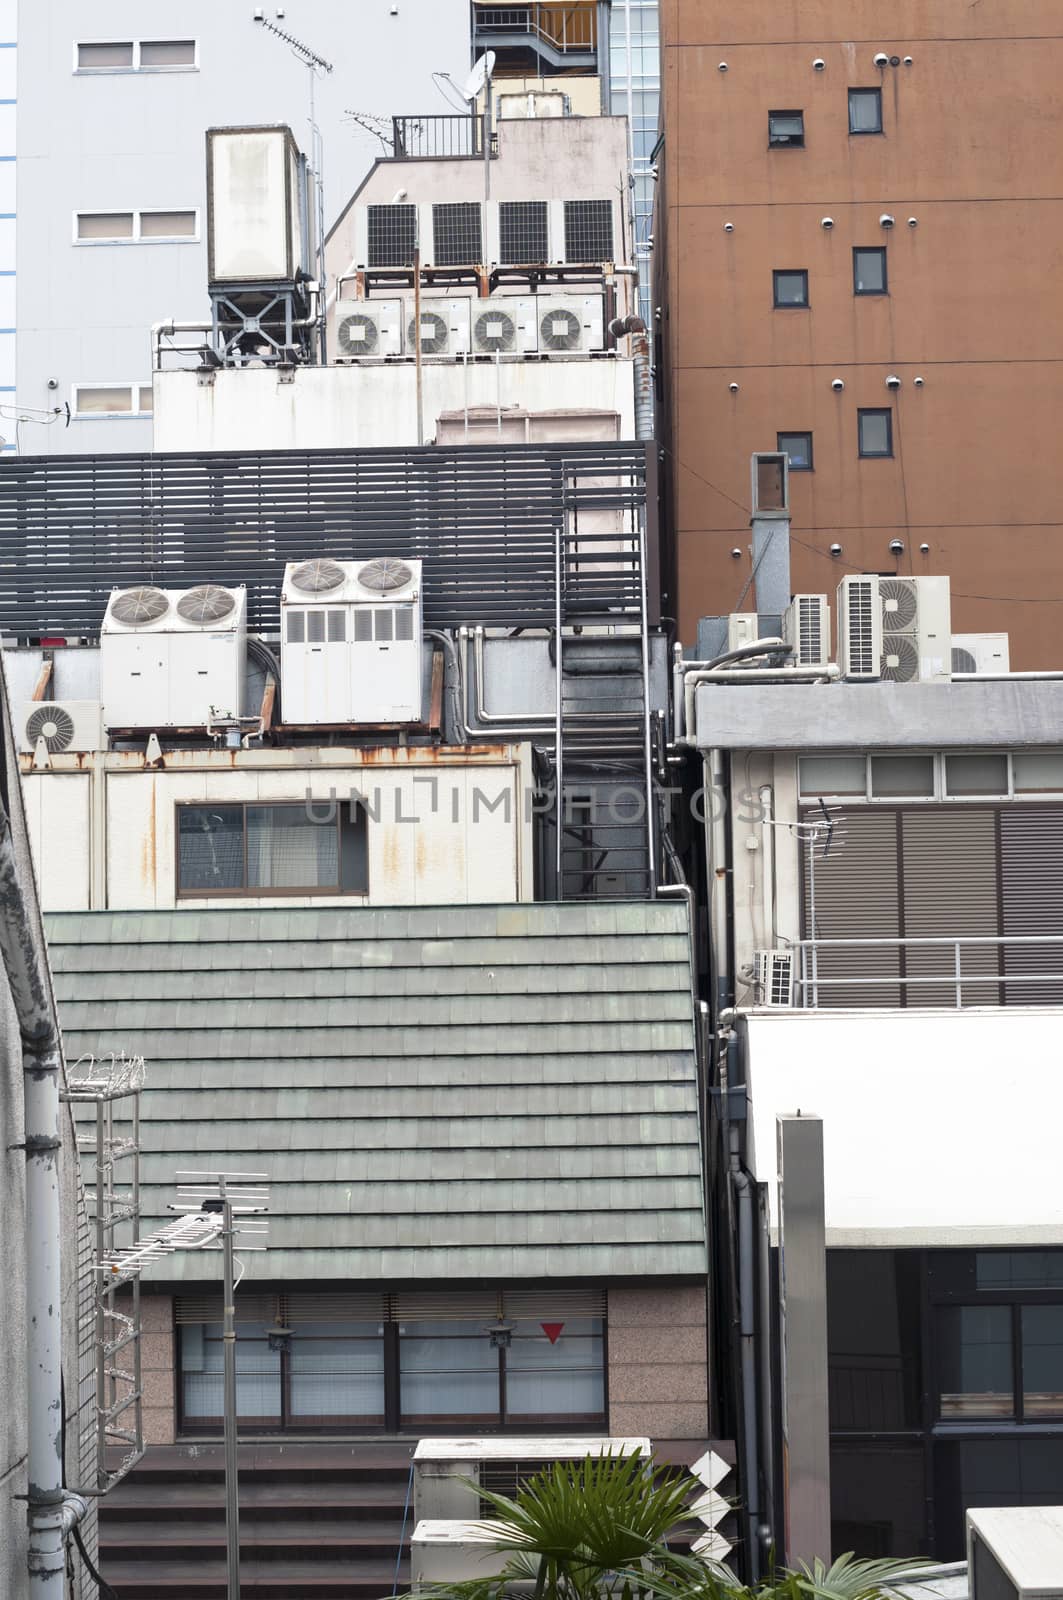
[850,1579]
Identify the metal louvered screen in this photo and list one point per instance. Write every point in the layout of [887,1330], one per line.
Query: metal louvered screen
[457,233]
[588,230]
[856,897]
[523,234]
[949,860]
[1031,875]
[259,1308]
[392,237]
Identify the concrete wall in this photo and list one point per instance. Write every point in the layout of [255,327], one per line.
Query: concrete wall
[116,141]
[940,1128]
[973,473]
[658,1381]
[441,845]
[373,405]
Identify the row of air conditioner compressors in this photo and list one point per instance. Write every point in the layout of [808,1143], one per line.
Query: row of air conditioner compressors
[898,629]
[351,653]
[518,325]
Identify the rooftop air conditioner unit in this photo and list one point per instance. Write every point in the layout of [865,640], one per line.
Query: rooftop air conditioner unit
[986,653]
[173,658]
[351,641]
[1016,1552]
[916,630]
[859,627]
[806,628]
[570,324]
[743,627]
[452,1551]
[773,975]
[64,725]
[504,325]
[445,327]
[368,329]
[448,1473]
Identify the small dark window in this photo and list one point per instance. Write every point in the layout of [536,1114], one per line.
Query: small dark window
[271,849]
[458,236]
[975,1366]
[589,230]
[790,288]
[798,447]
[392,235]
[869,271]
[523,236]
[786,130]
[875,432]
[865,110]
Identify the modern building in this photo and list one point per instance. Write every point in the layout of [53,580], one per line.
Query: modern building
[635,92]
[111,176]
[841,274]
[8,77]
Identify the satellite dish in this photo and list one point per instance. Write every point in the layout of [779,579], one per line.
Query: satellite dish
[479,76]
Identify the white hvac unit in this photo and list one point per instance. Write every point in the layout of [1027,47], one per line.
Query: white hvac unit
[986,654]
[773,975]
[449,1473]
[806,629]
[173,658]
[895,628]
[446,327]
[743,627]
[74,725]
[536,103]
[452,1551]
[351,638]
[570,324]
[505,325]
[1015,1553]
[368,329]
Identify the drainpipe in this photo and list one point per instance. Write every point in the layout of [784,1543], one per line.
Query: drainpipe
[827,674]
[620,327]
[747,1328]
[51,1511]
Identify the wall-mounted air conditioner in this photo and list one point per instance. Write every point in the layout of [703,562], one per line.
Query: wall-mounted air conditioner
[368,329]
[894,628]
[743,627]
[987,653]
[173,658]
[74,725]
[773,976]
[570,324]
[351,638]
[504,325]
[446,327]
[806,628]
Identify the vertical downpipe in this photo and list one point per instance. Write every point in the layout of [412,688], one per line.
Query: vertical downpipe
[559,760]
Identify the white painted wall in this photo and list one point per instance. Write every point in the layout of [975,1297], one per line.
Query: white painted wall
[939,1128]
[376,405]
[440,845]
[8,82]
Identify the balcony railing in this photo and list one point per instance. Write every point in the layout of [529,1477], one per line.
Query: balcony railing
[567,29]
[420,138]
[957,972]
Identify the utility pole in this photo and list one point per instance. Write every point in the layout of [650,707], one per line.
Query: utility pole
[232,1465]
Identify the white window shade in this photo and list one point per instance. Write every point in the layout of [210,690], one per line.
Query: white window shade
[105,225]
[167,224]
[157,54]
[103,398]
[111,57]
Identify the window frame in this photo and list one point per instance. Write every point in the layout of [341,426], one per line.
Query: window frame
[789,305]
[945,1291]
[872,249]
[796,433]
[787,142]
[270,891]
[137,237]
[941,796]
[136,389]
[861,133]
[874,455]
[135,66]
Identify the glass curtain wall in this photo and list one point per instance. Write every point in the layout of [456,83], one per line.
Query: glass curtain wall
[635,93]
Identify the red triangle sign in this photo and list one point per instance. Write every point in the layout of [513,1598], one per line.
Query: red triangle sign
[552,1330]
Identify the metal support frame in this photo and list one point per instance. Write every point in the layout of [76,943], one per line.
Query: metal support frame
[268,323]
[106,1086]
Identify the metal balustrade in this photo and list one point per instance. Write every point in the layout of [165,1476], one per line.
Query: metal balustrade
[955,971]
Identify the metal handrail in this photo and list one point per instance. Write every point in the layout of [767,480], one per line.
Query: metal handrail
[810,979]
[572,27]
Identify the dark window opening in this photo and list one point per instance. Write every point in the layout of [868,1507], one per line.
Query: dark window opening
[798,448]
[273,849]
[786,130]
[523,235]
[392,236]
[875,432]
[869,271]
[790,287]
[865,110]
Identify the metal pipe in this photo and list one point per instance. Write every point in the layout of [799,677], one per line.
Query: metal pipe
[457,697]
[716,810]
[767,1438]
[725,674]
[559,759]
[747,1326]
[51,1511]
[417,337]
[767,865]
[232,1466]
[677,693]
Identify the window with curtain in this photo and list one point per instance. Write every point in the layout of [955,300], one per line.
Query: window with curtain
[278,848]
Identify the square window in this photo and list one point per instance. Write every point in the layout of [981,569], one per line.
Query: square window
[790,288]
[865,110]
[983,774]
[975,1362]
[146,397]
[902,776]
[869,271]
[1042,1361]
[1037,772]
[105,57]
[875,432]
[105,225]
[820,775]
[786,130]
[798,447]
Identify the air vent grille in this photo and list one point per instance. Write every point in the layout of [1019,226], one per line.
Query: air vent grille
[495,331]
[435,333]
[900,606]
[861,630]
[53,724]
[900,658]
[560,330]
[357,335]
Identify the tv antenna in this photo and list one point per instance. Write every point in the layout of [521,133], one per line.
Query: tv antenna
[479,82]
[316,67]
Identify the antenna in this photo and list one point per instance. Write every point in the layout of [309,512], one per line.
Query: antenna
[480,79]
[449,90]
[315,64]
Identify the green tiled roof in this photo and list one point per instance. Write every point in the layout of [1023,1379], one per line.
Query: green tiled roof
[453,1093]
